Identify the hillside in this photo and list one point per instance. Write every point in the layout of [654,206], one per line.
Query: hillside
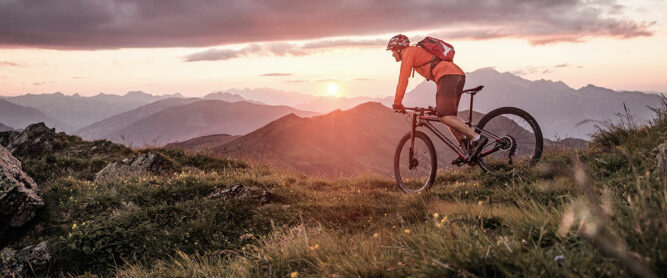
[18,116]
[204,117]
[595,212]
[204,143]
[110,127]
[361,139]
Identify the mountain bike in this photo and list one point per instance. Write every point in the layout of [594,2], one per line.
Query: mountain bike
[515,142]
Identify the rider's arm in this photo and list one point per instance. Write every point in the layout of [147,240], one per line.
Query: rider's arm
[407,61]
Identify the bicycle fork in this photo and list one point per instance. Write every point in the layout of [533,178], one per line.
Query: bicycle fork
[413,162]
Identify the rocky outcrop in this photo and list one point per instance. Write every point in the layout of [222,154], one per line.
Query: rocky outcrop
[27,261]
[19,195]
[262,196]
[5,128]
[146,163]
[34,140]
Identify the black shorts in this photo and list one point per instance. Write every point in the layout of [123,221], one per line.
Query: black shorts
[450,89]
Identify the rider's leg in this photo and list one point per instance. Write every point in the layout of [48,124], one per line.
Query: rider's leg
[458,127]
[450,88]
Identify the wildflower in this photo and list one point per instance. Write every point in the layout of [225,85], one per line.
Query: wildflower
[69,235]
[559,259]
[376,235]
[294,274]
[407,231]
[436,215]
[73,226]
[315,247]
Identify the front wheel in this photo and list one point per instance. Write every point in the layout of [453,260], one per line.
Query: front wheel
[415,171]
[519,140]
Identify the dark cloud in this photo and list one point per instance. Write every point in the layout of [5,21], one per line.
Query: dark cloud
[104,24]
[276,74]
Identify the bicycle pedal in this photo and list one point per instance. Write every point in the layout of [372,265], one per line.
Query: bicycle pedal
[459,161]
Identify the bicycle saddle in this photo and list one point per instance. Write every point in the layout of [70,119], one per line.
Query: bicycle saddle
[474,90]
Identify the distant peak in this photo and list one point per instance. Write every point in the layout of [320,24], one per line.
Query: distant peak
[136,93]
[370,105]
[486,69]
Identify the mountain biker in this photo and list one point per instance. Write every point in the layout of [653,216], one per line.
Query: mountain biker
[450,80]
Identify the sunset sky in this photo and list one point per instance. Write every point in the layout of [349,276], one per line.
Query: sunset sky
[198,47]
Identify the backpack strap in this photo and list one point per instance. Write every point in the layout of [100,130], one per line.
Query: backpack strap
[434,62]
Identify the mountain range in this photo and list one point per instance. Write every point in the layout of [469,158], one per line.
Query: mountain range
[70,113]
[558,108]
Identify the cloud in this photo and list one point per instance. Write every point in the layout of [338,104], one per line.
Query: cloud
[318,80]
[276,74]
[542,69]
[108,24]
[9,64]
[277,49]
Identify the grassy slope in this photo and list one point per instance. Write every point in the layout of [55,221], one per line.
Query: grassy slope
[602,210]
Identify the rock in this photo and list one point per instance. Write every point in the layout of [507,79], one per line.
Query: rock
[28,260]
[19,195]
[34,140]
[146,163]
[262,196]
[661,158]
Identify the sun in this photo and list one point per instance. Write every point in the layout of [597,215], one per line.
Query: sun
[332,89]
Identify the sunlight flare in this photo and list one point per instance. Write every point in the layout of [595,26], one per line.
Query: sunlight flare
[332,89]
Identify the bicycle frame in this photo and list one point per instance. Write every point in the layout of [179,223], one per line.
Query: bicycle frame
[419,119]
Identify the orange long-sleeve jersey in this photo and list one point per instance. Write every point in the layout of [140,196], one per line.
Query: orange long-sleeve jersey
[414,56]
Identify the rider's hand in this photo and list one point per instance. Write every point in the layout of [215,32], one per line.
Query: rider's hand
[398,108]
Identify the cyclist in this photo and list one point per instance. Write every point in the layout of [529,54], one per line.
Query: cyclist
[449,79]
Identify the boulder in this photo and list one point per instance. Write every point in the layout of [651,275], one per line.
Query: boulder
[34,140]
[19,195]
[146,163]
[262,196]
[27,261]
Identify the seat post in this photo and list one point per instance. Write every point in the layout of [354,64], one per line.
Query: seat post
[470,111]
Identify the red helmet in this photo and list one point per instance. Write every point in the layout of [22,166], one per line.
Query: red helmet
[398,42]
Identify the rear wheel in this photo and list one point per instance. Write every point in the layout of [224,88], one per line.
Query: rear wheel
[520,140]
[416,172]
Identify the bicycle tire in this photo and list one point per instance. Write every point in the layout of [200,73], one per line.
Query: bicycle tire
[401,170]
[529,150]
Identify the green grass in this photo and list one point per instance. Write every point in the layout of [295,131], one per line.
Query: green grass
[599,212]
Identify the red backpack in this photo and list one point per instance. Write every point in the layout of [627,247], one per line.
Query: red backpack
[441,51]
